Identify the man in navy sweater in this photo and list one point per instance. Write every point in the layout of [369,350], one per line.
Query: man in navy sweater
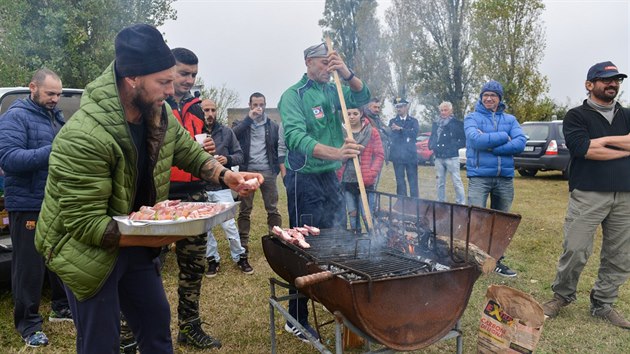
[596,135]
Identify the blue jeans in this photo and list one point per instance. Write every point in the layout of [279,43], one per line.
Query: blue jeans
[354,202]
[411,169]
[229,228]
[449,165]
[500,190]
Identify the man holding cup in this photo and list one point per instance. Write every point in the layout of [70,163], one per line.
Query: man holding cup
[190,251]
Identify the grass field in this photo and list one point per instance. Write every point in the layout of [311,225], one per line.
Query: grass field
[235,305]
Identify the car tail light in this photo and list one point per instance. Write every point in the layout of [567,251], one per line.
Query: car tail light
[552,149]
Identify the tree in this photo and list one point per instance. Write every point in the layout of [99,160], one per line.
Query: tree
[509,43]
[354,27]
[402,25]
[443,69]
[224,97]
[73,38]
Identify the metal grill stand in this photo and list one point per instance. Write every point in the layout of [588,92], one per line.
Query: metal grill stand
[340,321]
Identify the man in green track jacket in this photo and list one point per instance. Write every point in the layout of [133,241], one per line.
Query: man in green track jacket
[311,118]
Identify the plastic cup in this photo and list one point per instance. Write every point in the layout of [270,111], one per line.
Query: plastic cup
[201,137]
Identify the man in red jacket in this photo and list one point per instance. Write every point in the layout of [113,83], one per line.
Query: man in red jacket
[191,252]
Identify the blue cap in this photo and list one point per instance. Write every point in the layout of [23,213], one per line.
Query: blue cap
[603,70]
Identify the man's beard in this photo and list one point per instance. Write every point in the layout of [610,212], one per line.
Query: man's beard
[602,95]
[37,99]
[150,112]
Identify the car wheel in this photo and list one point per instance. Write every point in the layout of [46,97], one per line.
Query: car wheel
[527,172]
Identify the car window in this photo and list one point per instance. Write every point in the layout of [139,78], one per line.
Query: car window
[536,131]
[560,132]
[68,103]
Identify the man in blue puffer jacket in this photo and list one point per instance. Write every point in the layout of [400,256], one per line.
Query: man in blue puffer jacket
[26,134]
[493,137]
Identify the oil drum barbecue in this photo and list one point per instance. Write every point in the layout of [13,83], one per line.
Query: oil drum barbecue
[402,284]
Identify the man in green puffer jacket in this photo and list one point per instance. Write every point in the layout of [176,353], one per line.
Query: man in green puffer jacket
[113,156]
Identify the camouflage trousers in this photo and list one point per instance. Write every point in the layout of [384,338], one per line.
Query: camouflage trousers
[191,259]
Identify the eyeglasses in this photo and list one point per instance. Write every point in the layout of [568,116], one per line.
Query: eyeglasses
[489,94]
[609,80]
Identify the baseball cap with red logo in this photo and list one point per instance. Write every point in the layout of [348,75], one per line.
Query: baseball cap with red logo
[603,70]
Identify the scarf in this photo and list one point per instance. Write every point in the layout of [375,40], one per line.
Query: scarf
[362,137]
[441,123]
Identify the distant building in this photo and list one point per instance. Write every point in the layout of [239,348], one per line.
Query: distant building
[240,113]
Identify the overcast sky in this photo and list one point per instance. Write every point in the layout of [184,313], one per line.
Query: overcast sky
[256,45]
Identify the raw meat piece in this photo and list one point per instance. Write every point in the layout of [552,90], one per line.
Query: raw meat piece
[250,184]
[312,230]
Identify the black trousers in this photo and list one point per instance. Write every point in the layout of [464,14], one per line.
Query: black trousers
[27,275]
[314,199]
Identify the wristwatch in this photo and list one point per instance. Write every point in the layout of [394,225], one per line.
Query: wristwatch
[222,178]
[349,77]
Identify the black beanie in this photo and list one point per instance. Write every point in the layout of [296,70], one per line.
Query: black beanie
[141,50]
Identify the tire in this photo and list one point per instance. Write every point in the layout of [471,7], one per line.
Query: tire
[527,172]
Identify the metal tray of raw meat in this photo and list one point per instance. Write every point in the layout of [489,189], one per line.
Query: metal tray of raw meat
[185,227]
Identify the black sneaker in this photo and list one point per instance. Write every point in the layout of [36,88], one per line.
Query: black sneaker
[213,268]
[36,339]
[244,266]
[60,316]
[128,346]
[298,334]
[193,335]
[504,270]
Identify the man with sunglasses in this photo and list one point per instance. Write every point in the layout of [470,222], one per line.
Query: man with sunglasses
[596,134]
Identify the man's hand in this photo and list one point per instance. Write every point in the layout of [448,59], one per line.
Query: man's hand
[395,127]
[237,181]
[255,113]
[148,241]
[208,145]
[335,63]
[350,149]
[222,159]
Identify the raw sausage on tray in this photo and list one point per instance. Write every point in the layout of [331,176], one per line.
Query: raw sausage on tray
[175,210]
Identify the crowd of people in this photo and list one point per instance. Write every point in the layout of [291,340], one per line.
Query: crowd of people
[142,136]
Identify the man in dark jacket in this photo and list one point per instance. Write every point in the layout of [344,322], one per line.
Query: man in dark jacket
[596,134]
[447,137]
[372,110]
[402,152]
[258,136]
[26,134]
[228,152]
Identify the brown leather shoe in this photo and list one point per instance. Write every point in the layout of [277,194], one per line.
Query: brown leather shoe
[553,306]
[611,315]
